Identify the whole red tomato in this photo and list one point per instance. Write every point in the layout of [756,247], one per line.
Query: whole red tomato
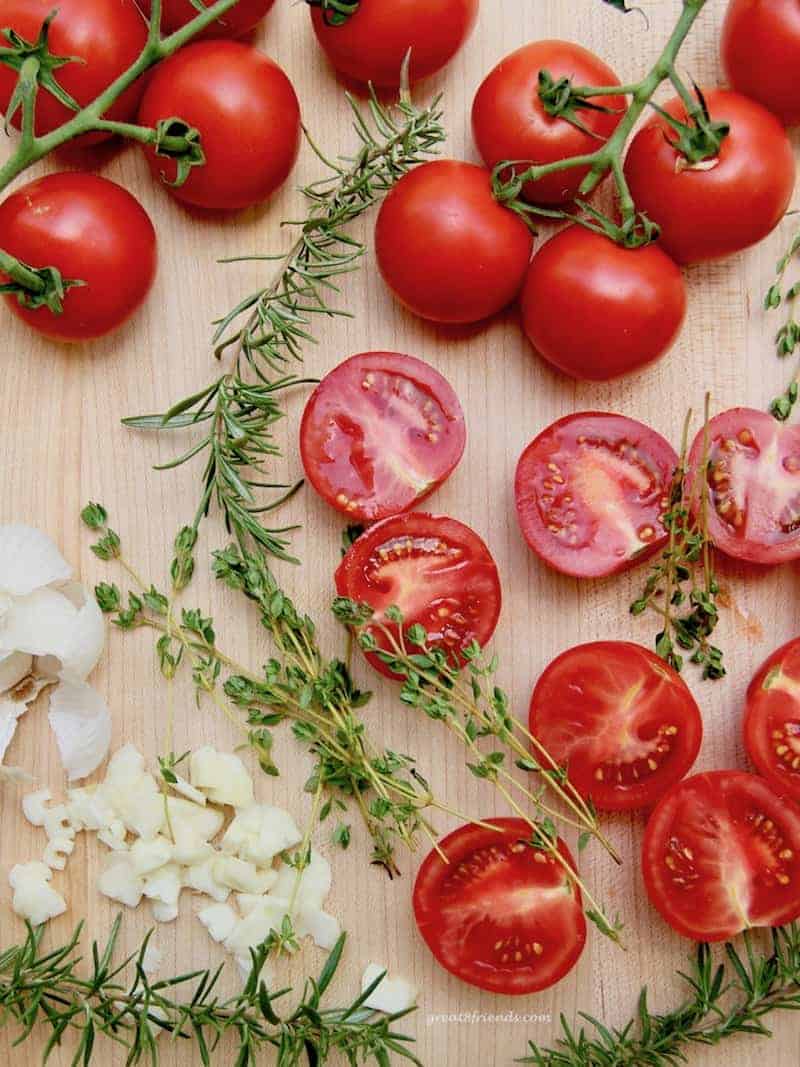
[248,116]
[721,205]
[510,120]
[761,53]
[372,44]
[596,310]
[239,20]
[447,249]
[91,230]
[106,36]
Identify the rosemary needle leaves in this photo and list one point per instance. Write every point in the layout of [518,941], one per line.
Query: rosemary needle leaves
[724,1000]
[682,587]
[235,414]
[46,988]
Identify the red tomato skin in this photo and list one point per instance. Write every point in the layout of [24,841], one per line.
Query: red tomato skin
[479,579]
[760,538]
[773,708]
[446,247]
[495,976]
[90,229]
[343,463]
[595,310]
[596,556]
[735,790]
[700,211]
[372,44]
[509,120]
[564,707]
[108,35]
[248,116]
[241,19]
[761,54]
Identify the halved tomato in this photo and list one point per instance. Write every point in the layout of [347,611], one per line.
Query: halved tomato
[591,491]
[722,854]
[501,914]
[436,570]
[753,478]
[379,433]
[772,719]
[619,720]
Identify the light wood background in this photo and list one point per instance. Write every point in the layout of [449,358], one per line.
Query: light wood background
[62,444]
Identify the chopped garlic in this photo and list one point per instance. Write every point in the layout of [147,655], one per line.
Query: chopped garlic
[259,833]
[200,877]
[222,776]
[164,913]
[56,822]
[57,850]
[125,767]
[119,882]
[180,785]
[189,820]
[148,856]
[153,958]
[391,995]
[34,806]
[242,876]
[114,836]
[219,919]
[315,883]
[255,927]
[34,899]
[165,884]
[28,872]
[89,809]
[322,928]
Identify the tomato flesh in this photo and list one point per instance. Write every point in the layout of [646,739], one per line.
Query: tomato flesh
[500,915]
[436,570]
[619,720]
[761,53]
[772,719]
[721,854]
[248,116]
[753,483]
[105,37]
[91,230]
[509,119]
[372,44]
[591,491]
[596,310]
[379,433]
[699,208]
[446,248]
[243,17]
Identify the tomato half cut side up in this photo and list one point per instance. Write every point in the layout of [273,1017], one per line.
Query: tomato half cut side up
[721,854]
[500,915]
[752,475]
[436,570]
[591,491]
[379,433]
[620,721]
[772,719]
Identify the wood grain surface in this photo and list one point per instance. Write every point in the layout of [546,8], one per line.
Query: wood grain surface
[62,443]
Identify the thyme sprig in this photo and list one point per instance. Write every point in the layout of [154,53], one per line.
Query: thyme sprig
[46,988]
[682,587]
[236,413]
[786,297]
[725,999]
[473,707]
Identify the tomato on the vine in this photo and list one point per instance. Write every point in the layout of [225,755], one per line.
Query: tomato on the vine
[379,433]
[248,116]
[500,914]
[596,310]
[619,721]
[720,205]
[371,45]
[446,248]
[591,491]
[105,37]
[721,854]
[243,17]
[92,231]
[436,570]
[751,476]
[772,719]
[761,53]
[510,119]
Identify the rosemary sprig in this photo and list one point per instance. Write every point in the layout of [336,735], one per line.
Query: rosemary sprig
[787,339]
[682,587]
[473,707]
[267,329]
[46,988]
[724,1000]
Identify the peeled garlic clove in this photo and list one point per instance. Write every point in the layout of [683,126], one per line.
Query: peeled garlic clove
[81,721]
[322,928]
[29,560]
